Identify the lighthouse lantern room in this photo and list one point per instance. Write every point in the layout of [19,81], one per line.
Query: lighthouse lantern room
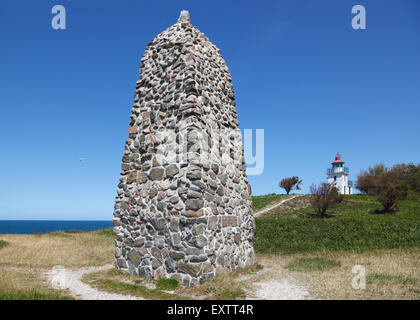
[339,175]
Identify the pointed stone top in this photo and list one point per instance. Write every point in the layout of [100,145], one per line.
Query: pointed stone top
[184,16]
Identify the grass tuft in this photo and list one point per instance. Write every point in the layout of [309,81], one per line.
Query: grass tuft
[122,283]
[386,279]
[259,266]
[167,284]
[65,233]
[33,295]
[312,264]
[3,243]
[105,232]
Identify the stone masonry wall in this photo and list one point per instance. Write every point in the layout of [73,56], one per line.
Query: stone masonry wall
[183,208]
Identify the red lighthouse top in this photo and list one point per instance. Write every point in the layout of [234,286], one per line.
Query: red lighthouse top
[337,159]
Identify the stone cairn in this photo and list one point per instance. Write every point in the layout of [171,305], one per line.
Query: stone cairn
[183,208]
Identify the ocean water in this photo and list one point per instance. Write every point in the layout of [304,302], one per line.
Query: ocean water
[43,226]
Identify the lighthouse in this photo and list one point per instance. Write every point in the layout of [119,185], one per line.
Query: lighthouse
[338,174]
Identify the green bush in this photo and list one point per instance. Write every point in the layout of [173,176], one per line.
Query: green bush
[3,243]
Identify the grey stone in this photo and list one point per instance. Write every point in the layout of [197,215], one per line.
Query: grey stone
[200,258]
[172,170]
[194,204]
[156,174]
[176,255]
[174,224]
[194,174]
[159,223]
[200,241]
[139,242]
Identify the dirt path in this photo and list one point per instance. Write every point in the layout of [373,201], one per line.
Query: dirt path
[284,289]
[267,284]
[273,206]
[267,289]
[63,278]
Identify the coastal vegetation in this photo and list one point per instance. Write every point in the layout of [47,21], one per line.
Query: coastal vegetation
[391,185]
[290,241]
[351,226]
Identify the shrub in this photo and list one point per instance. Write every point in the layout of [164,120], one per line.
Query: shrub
[3,243]
[391,191]
[324,197]
[388,185]
[407,175]
[288,184]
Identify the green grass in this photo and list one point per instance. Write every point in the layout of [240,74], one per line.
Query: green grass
[224,288]
[33,295]
[106,232]
[135,290]
[351,227]
[3,243]
[230,294]
[259,202]
[384,278]
[312,264]
[167,284]
[65,233]
[68,233]
[259,266]
[110,281]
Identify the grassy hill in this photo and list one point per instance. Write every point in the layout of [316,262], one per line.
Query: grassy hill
[351,226]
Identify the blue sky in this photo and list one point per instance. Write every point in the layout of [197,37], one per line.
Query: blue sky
[300,72]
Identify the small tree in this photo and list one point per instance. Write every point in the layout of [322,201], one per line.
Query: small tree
[288,184]
[367,183]
[324,197]
[388,185]
[391,190]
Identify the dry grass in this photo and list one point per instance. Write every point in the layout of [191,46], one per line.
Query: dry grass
[391,274]
[398,270]
[47,250]
[230,286]
[24,284]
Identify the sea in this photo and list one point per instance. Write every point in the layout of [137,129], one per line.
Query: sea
[43,226]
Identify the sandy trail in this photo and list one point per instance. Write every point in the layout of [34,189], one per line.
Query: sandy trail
[71,279]
[280,290]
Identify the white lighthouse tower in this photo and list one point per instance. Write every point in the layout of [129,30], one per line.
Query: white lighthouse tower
[339,175]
